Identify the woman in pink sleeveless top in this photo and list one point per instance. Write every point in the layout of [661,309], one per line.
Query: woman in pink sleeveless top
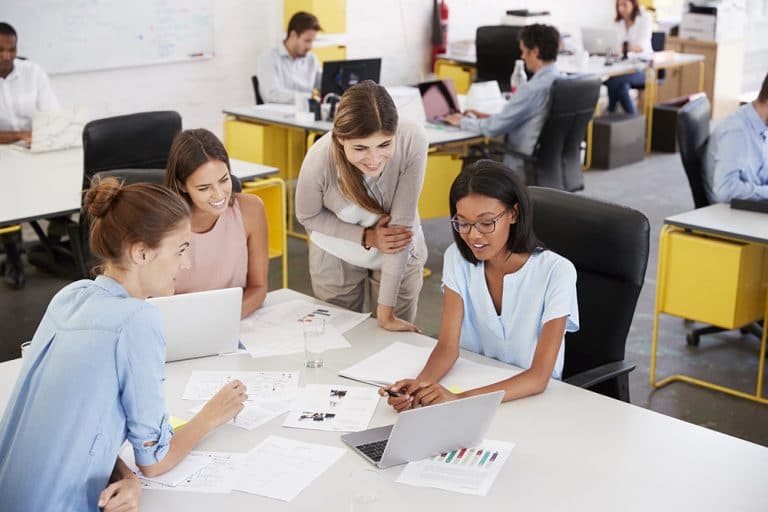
[229,231]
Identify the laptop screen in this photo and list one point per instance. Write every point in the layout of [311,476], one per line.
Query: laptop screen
[340,75]
[439,98]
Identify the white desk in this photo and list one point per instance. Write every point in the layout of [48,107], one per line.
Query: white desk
[721,219]
[576,450]
[39,185]
[436,135]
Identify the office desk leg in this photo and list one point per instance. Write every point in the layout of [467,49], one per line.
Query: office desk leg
[650,101]
[660,284]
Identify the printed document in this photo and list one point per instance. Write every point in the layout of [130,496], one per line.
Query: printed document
[333,407]
[261,385]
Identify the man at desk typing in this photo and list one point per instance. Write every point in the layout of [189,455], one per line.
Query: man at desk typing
[24,90]
[736,163]
[291,66]
[523,116]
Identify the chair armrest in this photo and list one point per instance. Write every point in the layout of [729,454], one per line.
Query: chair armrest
[600,374]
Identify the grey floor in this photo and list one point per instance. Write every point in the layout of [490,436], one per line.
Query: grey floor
[658,188]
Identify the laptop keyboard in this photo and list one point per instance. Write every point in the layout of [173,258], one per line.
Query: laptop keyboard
[374,450]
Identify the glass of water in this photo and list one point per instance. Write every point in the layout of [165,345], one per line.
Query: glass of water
[314,329]
[364,484]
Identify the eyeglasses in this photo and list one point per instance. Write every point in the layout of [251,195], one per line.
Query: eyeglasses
[483,226]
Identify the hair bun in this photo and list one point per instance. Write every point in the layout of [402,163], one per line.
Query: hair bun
[101,196]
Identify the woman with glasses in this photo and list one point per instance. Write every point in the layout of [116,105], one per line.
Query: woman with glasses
[506,296]
[357,195]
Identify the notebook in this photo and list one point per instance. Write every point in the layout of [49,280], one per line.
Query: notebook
[60,129]
[200,324]
[439,98]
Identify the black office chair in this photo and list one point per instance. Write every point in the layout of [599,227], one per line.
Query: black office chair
[608,244]
[658,43]
[497,48]
[556,160]
[133,147]
[692,138]
[257,94]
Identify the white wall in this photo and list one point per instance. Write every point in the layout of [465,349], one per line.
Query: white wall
[397,30]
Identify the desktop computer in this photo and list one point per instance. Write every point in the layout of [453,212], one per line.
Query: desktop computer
[340,75]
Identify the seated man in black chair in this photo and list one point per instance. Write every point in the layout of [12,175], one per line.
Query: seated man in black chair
[523,116]
[736,163]
[29,92]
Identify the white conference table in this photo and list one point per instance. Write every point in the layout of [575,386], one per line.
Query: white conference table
[49,184]
[283,115]
[575,450]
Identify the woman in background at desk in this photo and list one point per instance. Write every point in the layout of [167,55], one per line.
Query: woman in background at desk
[358,195]
[94,375]
[505,296]
[635,26]
[229,231]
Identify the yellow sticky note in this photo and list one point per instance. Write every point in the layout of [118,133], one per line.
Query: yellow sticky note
[455,389]
[176,423]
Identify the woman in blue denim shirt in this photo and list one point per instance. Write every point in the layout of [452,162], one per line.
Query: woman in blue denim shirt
[94,374]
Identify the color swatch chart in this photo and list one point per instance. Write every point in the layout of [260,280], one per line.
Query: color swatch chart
[468,457]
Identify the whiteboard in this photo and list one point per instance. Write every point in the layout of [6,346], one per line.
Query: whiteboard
[65,36]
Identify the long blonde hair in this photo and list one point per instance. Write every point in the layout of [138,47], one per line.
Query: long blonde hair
[364,109]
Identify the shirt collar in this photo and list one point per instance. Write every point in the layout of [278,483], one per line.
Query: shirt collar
[111,286]
[754,120]
[546,70]
[14,74]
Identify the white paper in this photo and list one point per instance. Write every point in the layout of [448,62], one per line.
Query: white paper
[405,361]
[333,407]
[260,385]
[469,471]
[275,340]
[281,468]
[217,477]
[188,466]
[256,414]
[294,310]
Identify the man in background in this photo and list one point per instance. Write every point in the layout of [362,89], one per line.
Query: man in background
[290,67]
[736,164]
[523,116]
[24,91]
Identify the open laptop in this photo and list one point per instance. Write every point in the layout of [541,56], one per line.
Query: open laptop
[59,129]
[439,99]
[340,75]
[200,324]
[599,41]
[422,432]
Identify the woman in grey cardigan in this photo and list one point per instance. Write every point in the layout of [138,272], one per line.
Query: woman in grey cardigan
[357,196]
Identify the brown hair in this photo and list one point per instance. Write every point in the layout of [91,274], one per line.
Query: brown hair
[364,109]
[122,215]
[301,22]
[635,11]
[191,149]
[763,96]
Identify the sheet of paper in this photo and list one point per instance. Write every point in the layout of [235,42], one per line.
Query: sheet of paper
[256,414]
[294,310]
[402,361]
[261,385]
[468,471]
[278,340]
[281,468]
[217,477]
[333,407]
[188,466]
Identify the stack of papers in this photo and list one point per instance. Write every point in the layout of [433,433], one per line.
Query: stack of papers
[405,361]
[333,407]
[468,470]
[277,330]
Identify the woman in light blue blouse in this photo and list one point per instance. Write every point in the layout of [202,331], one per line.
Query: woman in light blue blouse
[505,296]
[94,374]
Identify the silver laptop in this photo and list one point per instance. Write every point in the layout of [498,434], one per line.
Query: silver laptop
[425,431]
[60,129]
[599,41]
[200,324]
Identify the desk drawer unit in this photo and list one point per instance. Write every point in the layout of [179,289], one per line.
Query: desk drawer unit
[461,75]
[712,280]
[268,145]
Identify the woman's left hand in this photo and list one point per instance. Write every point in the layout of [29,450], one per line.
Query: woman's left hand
[392,323]
[123,495]
[432,393]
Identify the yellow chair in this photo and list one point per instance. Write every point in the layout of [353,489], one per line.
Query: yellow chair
[272,193]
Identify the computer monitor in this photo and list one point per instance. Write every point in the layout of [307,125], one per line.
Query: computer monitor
[340,75]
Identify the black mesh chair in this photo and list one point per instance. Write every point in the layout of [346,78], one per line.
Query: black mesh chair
[133,147]
[692,138]
[608,244]
[556,160]
[497,48]
[256,92]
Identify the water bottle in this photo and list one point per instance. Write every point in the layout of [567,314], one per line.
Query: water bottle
[518,77]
